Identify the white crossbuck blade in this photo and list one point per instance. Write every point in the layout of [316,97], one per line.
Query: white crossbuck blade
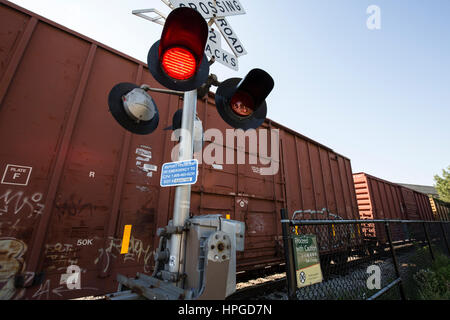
[218,10]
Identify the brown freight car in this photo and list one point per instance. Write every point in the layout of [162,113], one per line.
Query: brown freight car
[381,199]
[441,209]
[72,178]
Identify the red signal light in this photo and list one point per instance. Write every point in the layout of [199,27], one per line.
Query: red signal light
[177,60]
[242,104]
[179,63]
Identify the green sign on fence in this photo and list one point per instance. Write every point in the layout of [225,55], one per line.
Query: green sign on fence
[307,262]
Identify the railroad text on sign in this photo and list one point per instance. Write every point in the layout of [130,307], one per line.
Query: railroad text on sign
[213,49]
[231,37]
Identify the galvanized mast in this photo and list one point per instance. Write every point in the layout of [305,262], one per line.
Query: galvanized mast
[183,193]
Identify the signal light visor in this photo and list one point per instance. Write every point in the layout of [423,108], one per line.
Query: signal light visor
[179,63]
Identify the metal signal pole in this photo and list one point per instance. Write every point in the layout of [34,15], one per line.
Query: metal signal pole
[182,200]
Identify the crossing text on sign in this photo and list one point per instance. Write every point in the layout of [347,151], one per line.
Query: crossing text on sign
[208,10]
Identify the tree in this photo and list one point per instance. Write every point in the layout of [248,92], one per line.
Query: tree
[443,185]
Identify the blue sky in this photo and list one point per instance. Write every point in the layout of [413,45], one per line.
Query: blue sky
[379,97]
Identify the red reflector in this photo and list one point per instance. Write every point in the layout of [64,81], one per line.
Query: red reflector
[242,104]
[179,63]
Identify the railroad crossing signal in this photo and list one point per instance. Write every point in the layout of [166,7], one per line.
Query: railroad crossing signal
[177,60]
[241,102]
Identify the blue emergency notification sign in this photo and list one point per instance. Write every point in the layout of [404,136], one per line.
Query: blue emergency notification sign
[179,173]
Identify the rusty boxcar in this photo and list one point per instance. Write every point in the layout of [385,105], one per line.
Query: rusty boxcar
[72,177]
[377,198]
[381,199]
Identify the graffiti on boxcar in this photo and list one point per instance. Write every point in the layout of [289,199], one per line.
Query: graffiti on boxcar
[75,206]
[17,202]
[45,290]
[11,263]
[65,283]
[60,255]
[242,202]
[257,226]
[308,214]
[143,188]
[137,252]
[11,226]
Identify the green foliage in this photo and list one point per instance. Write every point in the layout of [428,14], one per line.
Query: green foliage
[434,283]
[443,184]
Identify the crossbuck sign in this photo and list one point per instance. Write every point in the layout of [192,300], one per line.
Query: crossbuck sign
[216,11]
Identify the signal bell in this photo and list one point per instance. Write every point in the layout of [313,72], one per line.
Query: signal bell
[133,108]
[241,102]
[177,60]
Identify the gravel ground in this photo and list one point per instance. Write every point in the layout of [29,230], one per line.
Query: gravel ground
[253,282]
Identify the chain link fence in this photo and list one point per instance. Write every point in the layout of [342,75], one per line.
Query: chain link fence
[366,259]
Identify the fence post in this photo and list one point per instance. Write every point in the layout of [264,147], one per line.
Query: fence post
[445,237]
[427,237]
[289,257]
[394,259]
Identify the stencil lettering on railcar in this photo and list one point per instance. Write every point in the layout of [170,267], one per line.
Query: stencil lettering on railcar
[85,242]
[144,155]
[16,175]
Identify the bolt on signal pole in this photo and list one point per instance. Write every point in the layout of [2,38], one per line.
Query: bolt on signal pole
[182,202]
